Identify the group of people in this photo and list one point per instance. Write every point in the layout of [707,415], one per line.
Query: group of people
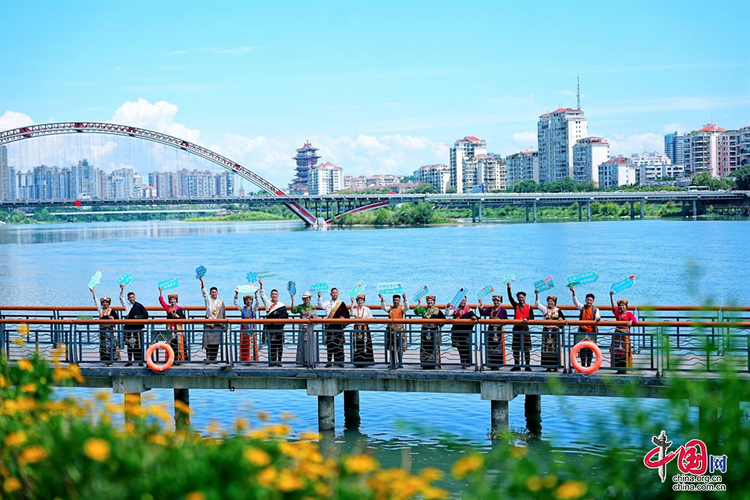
[273,334]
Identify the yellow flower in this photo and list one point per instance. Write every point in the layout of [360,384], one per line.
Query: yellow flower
[102,396]
[158,439]
[288,481]
[323,490]
[182,407]
[262,415]
[278,429]
[240,424]
[213,427]
[32,454]
[571,489]
[360,464]
[534,483]
[257,457]
[431,492]
[159,412]
[23,328]
[19,342]
[267,477]
[28,388]
[96,449]
[75,373]
[549,480]
[518,452]
[25,364]
[430,474]
[311,436]
[11,484]
[15,438]
[2,381]
[195,495]
[285,415]
[467,464]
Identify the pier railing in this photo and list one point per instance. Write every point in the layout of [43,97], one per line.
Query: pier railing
[666,338]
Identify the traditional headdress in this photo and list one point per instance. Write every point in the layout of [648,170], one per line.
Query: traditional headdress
[498,297]
[430,297]
[360,296]
[105,299]
[172,296]
[623,302]
[553,297]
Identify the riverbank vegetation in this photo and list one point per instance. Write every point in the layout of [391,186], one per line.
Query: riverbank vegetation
[73,449]
[407,214]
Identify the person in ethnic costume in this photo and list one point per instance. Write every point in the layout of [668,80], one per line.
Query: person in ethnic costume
[622,352]
[588,312]
[395,339]
[248,334]
[133,332]
[429,351]
[461,334]
[275,331]
[550,339]
[177,341]
[363,354]
[212,332]
[334,309]
[307,346]
[108,350]
[521,341]
[495,335]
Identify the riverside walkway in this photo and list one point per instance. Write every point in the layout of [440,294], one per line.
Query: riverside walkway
[697,342]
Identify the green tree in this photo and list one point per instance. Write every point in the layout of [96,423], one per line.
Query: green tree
[742,178]
[423,188]
[450,190]
[528,186]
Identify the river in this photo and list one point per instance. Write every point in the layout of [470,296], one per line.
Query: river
[675,262]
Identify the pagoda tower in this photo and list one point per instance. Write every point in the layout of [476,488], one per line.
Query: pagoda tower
[306,159]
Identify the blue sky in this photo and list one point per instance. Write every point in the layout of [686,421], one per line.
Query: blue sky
[379,87]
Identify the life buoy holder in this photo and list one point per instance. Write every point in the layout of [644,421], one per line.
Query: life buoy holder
[586,344]
[170,357]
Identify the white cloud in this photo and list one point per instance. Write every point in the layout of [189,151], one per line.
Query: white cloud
[14,119]
[103,150]
[525,138]
[626,145]
[158,117]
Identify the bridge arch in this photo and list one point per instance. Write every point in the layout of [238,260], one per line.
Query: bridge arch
[50,129]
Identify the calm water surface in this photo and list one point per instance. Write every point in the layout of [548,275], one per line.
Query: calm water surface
[51,265]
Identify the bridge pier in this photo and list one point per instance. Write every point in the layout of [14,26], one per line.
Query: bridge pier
[326,413]
[588,210]
[351,409]
[580,211]
[632,210]
[181,416]
[695,209]
[533,413]
[527,212]
[643,209]
[473,212]
[535,211]
[479,210]
[499,394]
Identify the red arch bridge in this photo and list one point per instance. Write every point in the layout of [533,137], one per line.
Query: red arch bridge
[275,194]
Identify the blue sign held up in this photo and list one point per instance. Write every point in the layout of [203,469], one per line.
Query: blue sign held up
[583,279]
[292,287]
[390,289]
[125,279]
[485,291]
[168,284]
[460,294]
[253,277]
[509,278]
[623,284]
[319,287]
[248,289]
[543,285]
[358,288]
[95,279]
[200,272]
[421,293]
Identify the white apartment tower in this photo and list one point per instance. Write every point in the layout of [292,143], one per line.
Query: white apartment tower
[716,150]
[557,133]
[326,178]
[588,154]
[522,166]
[485,173]
[464,149]
[438,175]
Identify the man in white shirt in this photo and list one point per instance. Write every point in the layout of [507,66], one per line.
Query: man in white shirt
[212,332]
[275,331]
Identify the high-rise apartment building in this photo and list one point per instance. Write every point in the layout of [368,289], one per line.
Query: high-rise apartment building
[5,178]
[653,167]
[437,175]
[370,181]
[674,148]
[588,154]
[522,166]
[306,159]
[486,173]
[326,178]
[617,171]
[715,150]
[461,177]
[557,133]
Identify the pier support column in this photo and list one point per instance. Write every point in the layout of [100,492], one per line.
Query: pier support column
[588,210]
[351,409]
[632,210]
[527,212]
[695,209]
[326,413]
[533,413]
[684,209]
[181,407]
[643,209]
[580,211]
[473,212]
[534,211]
[499,418]
[479,211]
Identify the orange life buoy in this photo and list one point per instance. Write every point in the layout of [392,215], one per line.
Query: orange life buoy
[170,357]
[586,344]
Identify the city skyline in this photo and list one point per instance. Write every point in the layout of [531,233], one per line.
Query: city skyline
[393,109]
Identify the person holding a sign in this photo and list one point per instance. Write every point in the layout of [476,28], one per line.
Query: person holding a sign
[307,346]
[133,310]
[521,341]
[274,331]
[178,334]
[362,339]
[212,332]
[588,312]
[429,351]
[622,352]
[108,350]
[495,335]
[395,337]
[248,335]
[461,334]
[335,309]
[550,339]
